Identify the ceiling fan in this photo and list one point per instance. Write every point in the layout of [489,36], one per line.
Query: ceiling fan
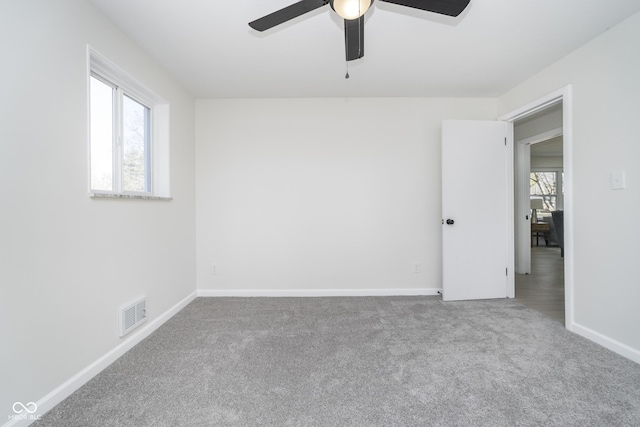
[353,13]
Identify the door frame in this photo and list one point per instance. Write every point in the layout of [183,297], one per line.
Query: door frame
[563,95]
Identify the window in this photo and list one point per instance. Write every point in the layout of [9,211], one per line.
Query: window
[547,185]
[128,138]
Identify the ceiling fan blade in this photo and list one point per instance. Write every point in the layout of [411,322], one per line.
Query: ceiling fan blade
[285,14]
[443,7]
[354,38]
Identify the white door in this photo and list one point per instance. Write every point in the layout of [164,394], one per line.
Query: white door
[475,211]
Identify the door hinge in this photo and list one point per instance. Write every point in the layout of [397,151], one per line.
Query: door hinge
[506,271]
[505,140]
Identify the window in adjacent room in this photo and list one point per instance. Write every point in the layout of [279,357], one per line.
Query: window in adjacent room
[548,186]
[128,135]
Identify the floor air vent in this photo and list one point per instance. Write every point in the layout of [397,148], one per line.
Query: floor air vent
[132,316]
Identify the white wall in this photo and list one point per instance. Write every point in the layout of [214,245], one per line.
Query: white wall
[606,89]
[68,262]
[313,196]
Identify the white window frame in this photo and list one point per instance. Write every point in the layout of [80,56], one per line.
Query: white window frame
[111,74]
[559,184]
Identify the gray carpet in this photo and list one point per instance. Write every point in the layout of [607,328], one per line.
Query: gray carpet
[359,361]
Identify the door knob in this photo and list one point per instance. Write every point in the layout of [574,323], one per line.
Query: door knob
[450,221]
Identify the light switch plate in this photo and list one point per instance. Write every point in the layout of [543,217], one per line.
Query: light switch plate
[617,180]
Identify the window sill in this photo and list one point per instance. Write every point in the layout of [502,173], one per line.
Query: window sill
[127,196]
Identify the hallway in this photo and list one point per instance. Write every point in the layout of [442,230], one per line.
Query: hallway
[543,289]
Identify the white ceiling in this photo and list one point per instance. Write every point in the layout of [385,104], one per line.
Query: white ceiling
[491,47]
[549,148]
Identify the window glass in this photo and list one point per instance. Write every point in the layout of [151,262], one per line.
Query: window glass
[129,135]
[543,185]
[135,143]
[101,135]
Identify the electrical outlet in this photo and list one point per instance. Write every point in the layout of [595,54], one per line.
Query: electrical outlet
[213,269]
[416,267]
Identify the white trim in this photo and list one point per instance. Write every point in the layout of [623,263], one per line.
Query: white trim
[523,203]
[539,104]
[563,95]
[100,195]
[510,235]
[613,345]
[81,378]
[541,137]
[315,292]
[115,75]
[547,169]
[567,154]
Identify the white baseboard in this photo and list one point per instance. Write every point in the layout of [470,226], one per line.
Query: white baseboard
[613,345]
[74,383]
[315,292]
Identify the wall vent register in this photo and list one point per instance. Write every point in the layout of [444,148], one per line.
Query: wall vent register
[132,316]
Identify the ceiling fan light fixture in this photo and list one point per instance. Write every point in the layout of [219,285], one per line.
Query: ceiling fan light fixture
[351,9]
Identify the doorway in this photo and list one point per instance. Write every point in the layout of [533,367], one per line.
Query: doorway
[542,120]
[539,278]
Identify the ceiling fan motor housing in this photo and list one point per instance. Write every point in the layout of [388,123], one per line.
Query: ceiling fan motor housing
[353,13]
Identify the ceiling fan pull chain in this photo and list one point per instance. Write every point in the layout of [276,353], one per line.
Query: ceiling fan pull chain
[346,76]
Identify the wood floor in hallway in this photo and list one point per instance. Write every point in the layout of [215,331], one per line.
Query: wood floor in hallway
[543,289]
